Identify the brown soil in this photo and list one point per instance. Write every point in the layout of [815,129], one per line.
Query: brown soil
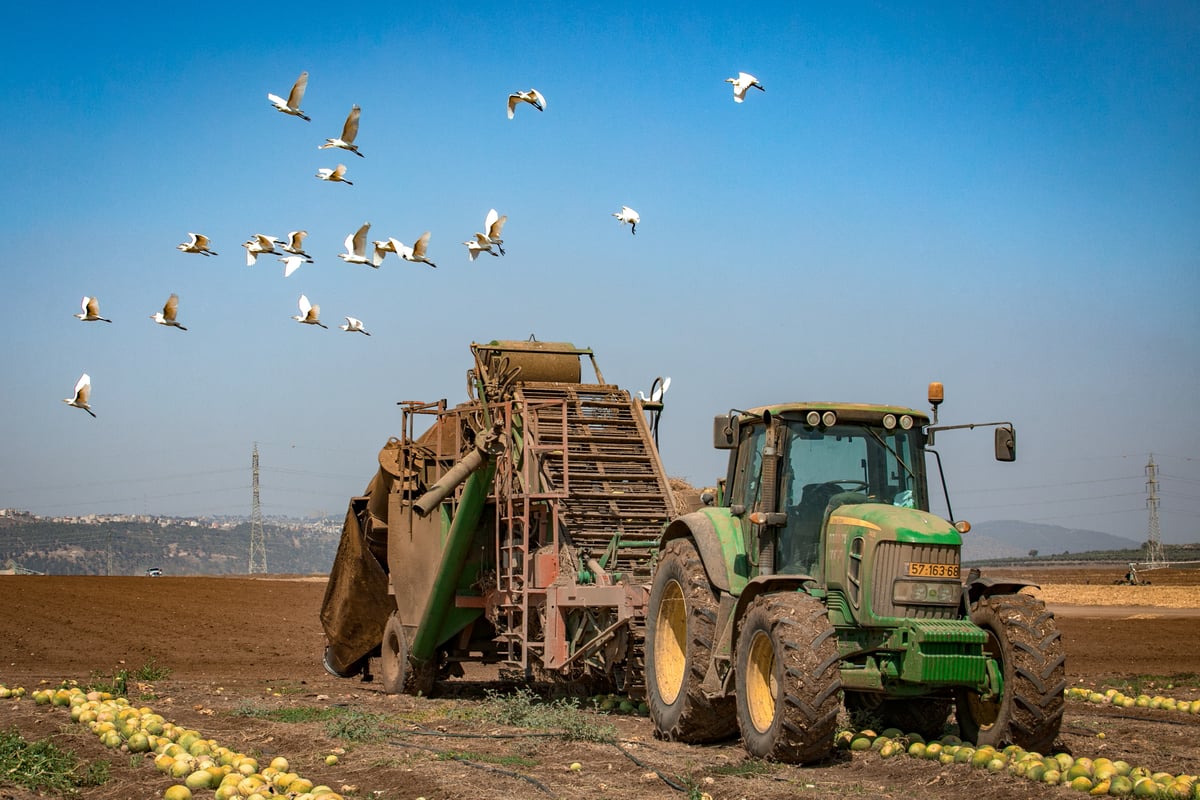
[234,643]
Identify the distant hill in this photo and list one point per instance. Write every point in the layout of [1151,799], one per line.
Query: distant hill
[1014,539]
[177,546]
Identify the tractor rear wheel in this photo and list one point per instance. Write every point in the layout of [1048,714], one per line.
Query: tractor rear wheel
[1023,638]
[788,678]
[680,626]
[397,672]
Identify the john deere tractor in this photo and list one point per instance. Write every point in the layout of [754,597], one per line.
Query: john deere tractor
[817,575]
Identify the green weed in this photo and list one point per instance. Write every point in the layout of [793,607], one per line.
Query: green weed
[43,766]
[524,709]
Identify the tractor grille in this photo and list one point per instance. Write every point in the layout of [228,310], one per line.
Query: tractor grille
[891,560]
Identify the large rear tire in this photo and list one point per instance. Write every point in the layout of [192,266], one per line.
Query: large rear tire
[1024,639]
[680,625]
[788,678]
[397,673]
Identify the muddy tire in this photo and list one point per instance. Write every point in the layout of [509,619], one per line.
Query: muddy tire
[788,679]
[924,715]
[1023,637]
[397,673]
[680,625]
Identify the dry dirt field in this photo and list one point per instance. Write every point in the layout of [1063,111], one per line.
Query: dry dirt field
[234,644]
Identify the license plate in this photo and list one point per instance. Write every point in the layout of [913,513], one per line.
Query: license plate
[920,569]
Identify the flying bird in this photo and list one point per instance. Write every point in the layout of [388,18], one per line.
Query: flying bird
[198,244]
[335,175]
[259,245]
[83,390]
[628,215]
[416,253]
[492,227]
[309,314]
[295,245]
[91,311]
[657,390]
[742,84]
[533,97]
[292,263]
[353,326]
[349,131]
[167,315]
[295,98]
[356,249]
[480,244]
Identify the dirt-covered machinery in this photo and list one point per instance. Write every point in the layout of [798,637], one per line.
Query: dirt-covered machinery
[518,529]
[817,575]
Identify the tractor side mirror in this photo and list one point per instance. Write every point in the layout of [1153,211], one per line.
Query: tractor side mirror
[724,432]
[1006,444]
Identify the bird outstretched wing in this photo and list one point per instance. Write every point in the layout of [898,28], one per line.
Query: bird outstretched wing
[297,94]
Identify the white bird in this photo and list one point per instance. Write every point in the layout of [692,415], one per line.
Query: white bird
[533,97]
[295,98]
[657,390]
[353,326]
[349,132]
[295,244]
[83,391]
[259,245]
[335,175]
[356,249]
[742,84]
[167,315]
[292,263]
[91,311]
[492,227]
[416,253]
[309,314]
[198,244]
[628,215]
[480,244]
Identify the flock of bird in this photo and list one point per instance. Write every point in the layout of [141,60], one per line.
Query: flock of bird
[293,255]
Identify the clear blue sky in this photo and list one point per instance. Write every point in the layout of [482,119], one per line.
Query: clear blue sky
[1003,198]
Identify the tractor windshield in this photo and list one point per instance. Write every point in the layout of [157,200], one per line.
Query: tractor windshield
[845,463]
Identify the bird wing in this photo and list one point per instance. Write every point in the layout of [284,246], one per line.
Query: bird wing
[314,313]
[84,304]
[513,99]
[497,226]
[539,99]
[291,264]
[338,171]
[195,239]
[359,240]
[325,173]
[277,101]
[83,386]
[92,306]
[419,246]
[490,220]
[483,241]
[296,239]
[297,95]
[200,240]
[350,129]
[171,307]
[304,305]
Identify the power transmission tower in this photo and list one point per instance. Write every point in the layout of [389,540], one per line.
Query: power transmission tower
[258,546]
[1154,550]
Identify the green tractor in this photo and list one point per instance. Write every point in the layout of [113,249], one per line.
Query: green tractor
[816,575]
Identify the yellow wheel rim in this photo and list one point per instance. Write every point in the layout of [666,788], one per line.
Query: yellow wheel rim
[670,643]
[762,690]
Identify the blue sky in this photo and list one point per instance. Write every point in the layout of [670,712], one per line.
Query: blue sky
[1005,199]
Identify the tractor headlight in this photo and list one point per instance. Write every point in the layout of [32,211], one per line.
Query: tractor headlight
[889,421]
[938,593]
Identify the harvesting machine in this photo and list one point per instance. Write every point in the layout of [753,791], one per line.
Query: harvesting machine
[518,529]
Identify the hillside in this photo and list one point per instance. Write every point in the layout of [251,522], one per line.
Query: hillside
[1015,539]
[177,546]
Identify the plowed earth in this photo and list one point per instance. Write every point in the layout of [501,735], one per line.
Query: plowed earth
[238,643]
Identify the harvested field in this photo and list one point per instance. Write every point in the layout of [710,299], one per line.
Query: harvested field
[235,645]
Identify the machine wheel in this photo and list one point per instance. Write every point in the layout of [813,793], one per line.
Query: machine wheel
[788,678]
[923,715]
[1023,637]
[680,625]
[397,673]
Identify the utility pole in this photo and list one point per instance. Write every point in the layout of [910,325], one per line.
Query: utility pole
[258,546]
[1154,551]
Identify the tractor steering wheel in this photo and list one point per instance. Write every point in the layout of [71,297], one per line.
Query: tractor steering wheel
[854,484]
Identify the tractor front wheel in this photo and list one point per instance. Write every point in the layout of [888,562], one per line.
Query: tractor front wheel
[397,672]
[680,626]
[788,678]
[1023,638]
